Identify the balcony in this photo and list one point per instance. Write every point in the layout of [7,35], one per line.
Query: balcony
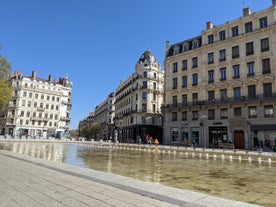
[65,118]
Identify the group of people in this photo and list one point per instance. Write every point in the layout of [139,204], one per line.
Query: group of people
[147,139]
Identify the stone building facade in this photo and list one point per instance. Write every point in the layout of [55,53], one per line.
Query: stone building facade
[138,102]
[221,85]
[39,107]
[104,114]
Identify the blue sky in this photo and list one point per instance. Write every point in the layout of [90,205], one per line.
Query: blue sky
[97,43]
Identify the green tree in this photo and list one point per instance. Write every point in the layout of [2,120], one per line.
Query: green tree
[5,89]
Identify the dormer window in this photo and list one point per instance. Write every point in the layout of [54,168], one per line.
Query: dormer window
[195,44]
[185,47]
[176,50]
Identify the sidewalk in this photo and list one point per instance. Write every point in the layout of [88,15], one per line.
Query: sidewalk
[32,182]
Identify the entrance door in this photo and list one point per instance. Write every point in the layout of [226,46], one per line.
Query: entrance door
[239,139]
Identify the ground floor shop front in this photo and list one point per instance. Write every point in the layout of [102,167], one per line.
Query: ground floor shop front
[228,134]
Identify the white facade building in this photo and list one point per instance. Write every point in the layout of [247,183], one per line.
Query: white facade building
[138,101]
[39,108]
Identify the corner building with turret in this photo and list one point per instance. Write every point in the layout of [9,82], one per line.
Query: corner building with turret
[138,102]
[221,85]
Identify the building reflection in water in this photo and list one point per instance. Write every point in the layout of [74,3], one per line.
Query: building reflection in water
[219,175]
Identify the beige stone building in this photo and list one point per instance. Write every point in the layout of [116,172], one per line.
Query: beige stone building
[138,102]
[104,114]
[39,108]
[221,85]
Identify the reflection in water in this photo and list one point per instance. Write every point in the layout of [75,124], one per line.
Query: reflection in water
[218,175]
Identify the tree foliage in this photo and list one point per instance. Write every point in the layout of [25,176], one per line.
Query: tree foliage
[5,89]
[91,131]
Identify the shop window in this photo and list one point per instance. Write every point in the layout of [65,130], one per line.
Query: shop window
[174,135]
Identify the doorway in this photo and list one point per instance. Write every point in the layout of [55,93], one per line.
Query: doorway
[239,139]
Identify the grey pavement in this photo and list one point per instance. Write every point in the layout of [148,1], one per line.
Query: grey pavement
[32,182]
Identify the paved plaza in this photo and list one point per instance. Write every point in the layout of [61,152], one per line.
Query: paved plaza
[33,182]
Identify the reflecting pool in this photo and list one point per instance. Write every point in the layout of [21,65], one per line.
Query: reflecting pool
[248,179]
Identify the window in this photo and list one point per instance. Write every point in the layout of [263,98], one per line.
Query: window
[249,48]
[263,22]
[211,96]
[174,116]
[210,58]
[252,112]
[237,93]
[53,98]
[194,115]
[154,108]
[237,111]
[250,69]
[28,114]
[184,65]
[145,74]
[144,95]
[223,113]
[184,99]
[174,134]
[223,94]
[223,74]
[29,104]
[154,96]
[35,104]
[36,96]
[174,67]
[195,79]
[194,62]
[264,45]
[185,47]
[210,76]
[144,107]
[222,55]
[211,114]
[184,116]
[235,31]
[145,84]
[235,52]
[236,71]
[174,101]
[268,111]
[195,44]
[174,86]
[248,27]
[24,94]
[222,35]
[184,81]
[154,85]
[251,91]
[194,97]
[267,87]
[210,39]
[266,66]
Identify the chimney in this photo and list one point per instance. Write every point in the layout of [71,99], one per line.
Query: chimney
[209,25]
[168,44]
[50,78]
[34,74]
[274,2]
[246,11]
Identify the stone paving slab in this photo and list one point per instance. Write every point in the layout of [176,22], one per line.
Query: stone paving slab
[31,182]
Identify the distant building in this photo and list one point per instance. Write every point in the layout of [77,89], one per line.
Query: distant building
[221,86]
[138,101]
[104,114]
[38,108]
[86,122]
